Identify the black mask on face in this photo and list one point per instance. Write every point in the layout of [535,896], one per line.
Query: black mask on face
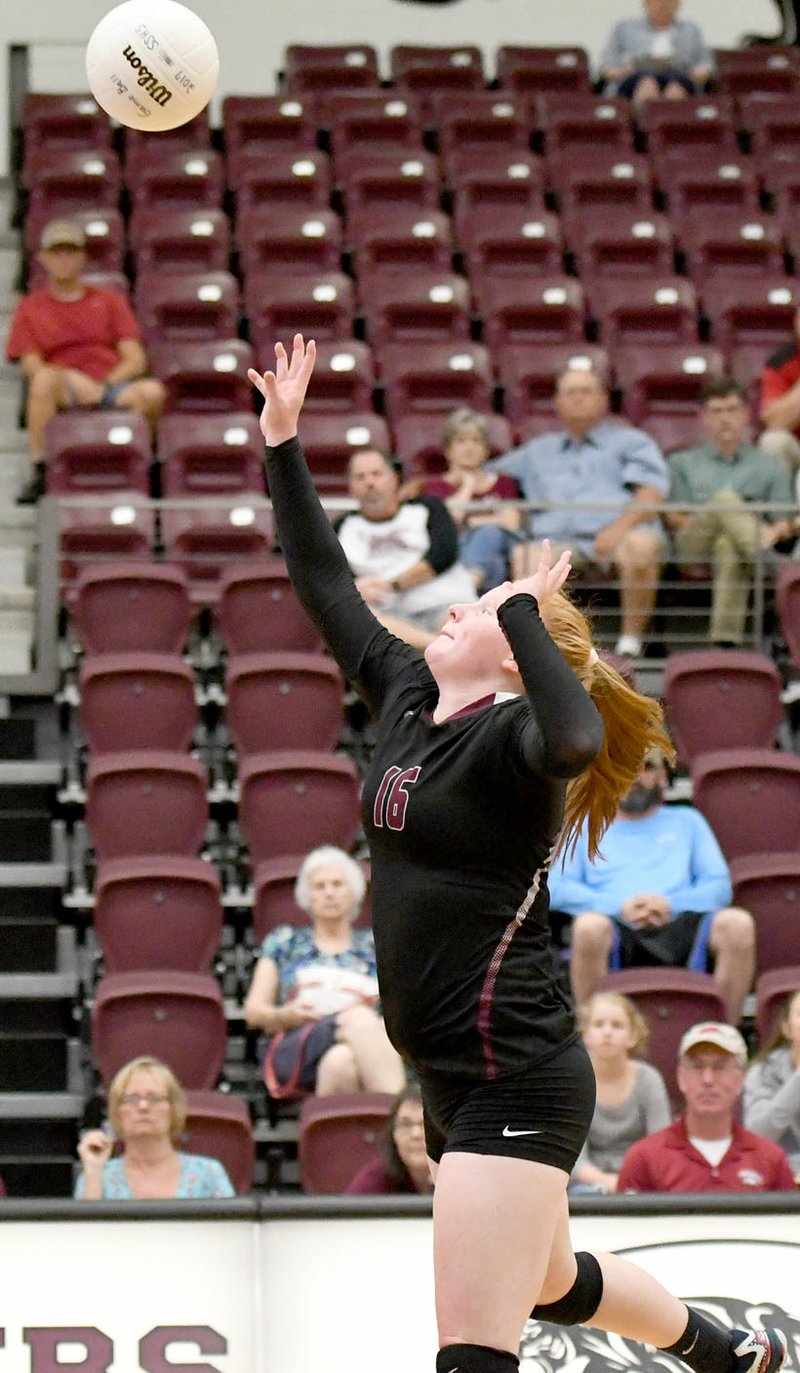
[641,798]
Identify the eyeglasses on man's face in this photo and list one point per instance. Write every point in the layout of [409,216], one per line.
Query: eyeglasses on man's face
[144,1099]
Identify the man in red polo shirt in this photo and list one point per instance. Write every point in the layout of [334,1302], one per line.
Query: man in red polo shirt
[706,1149]
[78,345]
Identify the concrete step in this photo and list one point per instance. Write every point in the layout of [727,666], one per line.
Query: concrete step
[16,653]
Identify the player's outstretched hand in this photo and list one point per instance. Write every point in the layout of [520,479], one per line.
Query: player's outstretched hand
[543,583]
[284,389]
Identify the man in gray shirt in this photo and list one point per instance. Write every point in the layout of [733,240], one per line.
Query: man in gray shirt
[720,478]
[600,478]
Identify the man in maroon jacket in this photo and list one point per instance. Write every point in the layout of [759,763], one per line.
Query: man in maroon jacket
[706,1149]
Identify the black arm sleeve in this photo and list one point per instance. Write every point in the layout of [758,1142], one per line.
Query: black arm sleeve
[317,565]
[565,731]
[443,534]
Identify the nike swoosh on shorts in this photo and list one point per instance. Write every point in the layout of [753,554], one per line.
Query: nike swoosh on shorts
[509,1134]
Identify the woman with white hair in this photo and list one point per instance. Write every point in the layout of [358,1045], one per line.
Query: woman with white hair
[314,991]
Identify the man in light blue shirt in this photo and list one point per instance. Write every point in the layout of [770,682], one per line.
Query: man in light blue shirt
[655,55]
[658,894]
[599,480]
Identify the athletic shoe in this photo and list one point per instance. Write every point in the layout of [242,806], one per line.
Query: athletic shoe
[759,1351]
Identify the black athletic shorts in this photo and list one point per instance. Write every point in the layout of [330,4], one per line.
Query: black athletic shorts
[541,1113]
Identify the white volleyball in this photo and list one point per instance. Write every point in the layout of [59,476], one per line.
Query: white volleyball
[152,64]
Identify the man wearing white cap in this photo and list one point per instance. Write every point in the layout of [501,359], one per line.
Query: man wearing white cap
[706,1149]
[78,345]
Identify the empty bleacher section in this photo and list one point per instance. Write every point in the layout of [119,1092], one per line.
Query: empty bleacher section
[452,234]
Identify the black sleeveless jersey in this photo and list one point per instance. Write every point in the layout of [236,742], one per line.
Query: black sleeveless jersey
[460,817]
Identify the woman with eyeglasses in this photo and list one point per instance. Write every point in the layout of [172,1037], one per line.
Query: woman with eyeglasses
[403,1165]
[491,752]
[147,1114]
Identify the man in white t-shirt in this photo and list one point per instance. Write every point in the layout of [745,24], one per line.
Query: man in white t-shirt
[706,1149]
[402,553]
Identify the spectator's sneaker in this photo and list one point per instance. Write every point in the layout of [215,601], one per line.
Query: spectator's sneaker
[759,1351]
[34,488]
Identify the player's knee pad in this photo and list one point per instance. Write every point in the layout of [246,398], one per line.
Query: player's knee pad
[581,1301]
[475,1358]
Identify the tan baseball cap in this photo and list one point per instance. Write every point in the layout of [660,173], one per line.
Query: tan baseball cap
[62,233]
[719,1036]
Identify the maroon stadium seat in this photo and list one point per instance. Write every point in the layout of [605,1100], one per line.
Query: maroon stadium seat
[192,307]
[480,122]
[758,313]
[644,311]
[428,69]
[497,177]
[405,177]
[682,128]
[535,69]
[204,375]
[337,1136]
[513,243]
[620,243]
[192,137]
[343,380]
[725,184]
[772,990]
[665,379]
[191,240]
[94,535]
[218,1126]
[435,376]
[252,123]
[72,122]
[97,451]
[768,886]
[329,442]
[318,304]
[671,1001]
[205,540]
[400,239]
[132,606]
[371,124]
[136,700]
[291,240]
[589,183]
[283,701]
[146,802]
[258,611]
[718,698]
[210,454]
[314,68]
[576,124]
[157,912]
[281,179]
[532,310]
[176,180]
[415,307]
[293,801]
[62,182]
[751,799]
[731,245]
[764,69]
[173,1016]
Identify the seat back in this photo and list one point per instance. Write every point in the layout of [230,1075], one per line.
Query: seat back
[146,802]
[136,700]
[218,1126]
[274,903]
[338,1135]
[210,455]
[157,912]
[768,886]
[258,611]
[284,701]
[772,990]
[176,1017]
[750,798]
[671,1001]
[294,801]
[722,698]
[97,451]
[132,606]
[787,594]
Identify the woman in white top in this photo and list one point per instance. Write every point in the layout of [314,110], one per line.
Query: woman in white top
[771,1098]
[632,1099]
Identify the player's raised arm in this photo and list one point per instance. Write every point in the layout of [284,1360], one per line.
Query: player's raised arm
[314,557]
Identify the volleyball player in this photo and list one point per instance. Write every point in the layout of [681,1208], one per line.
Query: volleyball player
[499,744]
